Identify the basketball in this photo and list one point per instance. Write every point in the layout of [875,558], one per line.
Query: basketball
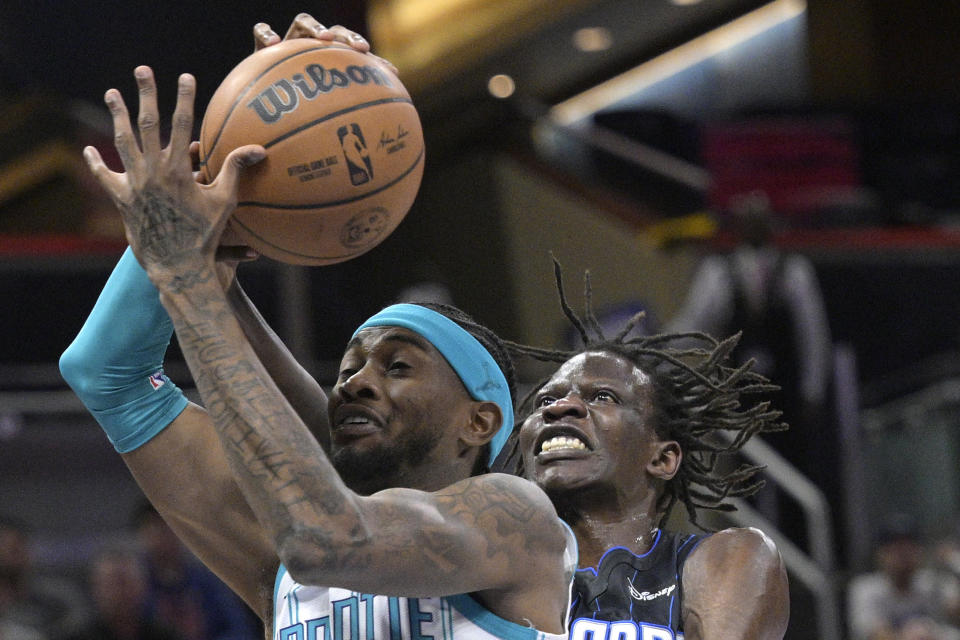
[344,148]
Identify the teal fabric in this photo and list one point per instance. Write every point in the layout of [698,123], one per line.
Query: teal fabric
[115,364]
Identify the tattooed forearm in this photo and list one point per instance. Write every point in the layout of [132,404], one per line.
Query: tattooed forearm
[279,466]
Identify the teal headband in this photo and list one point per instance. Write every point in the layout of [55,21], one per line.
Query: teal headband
[480,373]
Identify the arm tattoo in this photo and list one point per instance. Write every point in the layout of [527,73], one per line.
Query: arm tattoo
[167,229]
[508,519]
[280,467]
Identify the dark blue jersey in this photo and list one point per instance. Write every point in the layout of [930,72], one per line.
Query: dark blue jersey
[631,597]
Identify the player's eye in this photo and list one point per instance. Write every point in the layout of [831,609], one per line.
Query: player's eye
[544,400]
[604,395]
[398,365]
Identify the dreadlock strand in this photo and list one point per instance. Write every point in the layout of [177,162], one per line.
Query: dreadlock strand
[567,311]
[632,324]
[588,313]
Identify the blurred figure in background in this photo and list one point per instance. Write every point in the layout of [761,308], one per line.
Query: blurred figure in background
[118,587]
[182,593]
[51,607]
[774,298]
[903,599]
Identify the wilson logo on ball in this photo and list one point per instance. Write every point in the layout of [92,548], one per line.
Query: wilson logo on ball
[284,95]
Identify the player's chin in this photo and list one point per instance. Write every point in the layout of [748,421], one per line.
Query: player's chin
[562,474]
[357,440]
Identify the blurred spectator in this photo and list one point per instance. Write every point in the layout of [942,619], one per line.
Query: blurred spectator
[118,587]
[182,593]
[774,298]
[51,607]
[902,598]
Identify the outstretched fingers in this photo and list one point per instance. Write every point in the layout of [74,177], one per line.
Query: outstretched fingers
[123,139]
[182,127]
[148,121]
[111,181]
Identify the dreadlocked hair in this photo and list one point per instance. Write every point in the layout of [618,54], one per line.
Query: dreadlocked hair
[493,344]
[696,395]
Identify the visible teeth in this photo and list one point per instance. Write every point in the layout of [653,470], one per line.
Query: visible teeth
[356,420]
[562,442]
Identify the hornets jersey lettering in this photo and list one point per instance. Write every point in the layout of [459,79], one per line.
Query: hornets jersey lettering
[631,597]
[328,613]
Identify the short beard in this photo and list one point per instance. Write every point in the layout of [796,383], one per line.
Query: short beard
[381,468]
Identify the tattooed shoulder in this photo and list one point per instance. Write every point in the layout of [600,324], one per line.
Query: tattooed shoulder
[505,504]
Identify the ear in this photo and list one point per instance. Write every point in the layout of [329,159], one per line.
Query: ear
[485,421]
[666,459]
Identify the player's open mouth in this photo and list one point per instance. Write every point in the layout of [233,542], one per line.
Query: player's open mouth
[559,443]
[354,421]
[560,440]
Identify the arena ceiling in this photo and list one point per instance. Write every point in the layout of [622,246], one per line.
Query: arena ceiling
[448,50]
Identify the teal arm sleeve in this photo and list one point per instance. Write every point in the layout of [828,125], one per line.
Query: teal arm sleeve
[115,364]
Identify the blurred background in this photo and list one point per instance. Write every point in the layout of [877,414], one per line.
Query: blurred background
[678,149]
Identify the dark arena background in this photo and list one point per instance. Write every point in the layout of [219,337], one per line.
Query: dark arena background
[619,135]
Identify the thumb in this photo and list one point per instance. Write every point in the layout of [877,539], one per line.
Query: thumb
[239,158]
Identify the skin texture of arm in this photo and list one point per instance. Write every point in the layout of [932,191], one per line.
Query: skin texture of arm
[735,588]
[468,537]
[186,476]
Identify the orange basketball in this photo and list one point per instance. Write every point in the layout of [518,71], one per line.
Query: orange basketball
[344,150]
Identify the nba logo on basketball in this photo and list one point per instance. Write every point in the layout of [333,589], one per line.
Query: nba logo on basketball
[355,151]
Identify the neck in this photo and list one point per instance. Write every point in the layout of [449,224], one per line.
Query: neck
[603,522]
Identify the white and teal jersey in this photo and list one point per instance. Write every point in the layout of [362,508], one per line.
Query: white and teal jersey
[330,613]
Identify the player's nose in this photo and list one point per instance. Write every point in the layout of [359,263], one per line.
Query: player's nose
[570,405]
[359,384]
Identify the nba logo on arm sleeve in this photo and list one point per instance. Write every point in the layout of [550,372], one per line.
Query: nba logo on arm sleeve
[157,380]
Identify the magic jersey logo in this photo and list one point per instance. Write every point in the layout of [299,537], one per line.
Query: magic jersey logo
[646,596]
[589,629]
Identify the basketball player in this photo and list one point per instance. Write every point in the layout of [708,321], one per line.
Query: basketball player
[616,437]
[412,538]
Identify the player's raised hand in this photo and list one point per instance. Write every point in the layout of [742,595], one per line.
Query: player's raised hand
[167,214]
